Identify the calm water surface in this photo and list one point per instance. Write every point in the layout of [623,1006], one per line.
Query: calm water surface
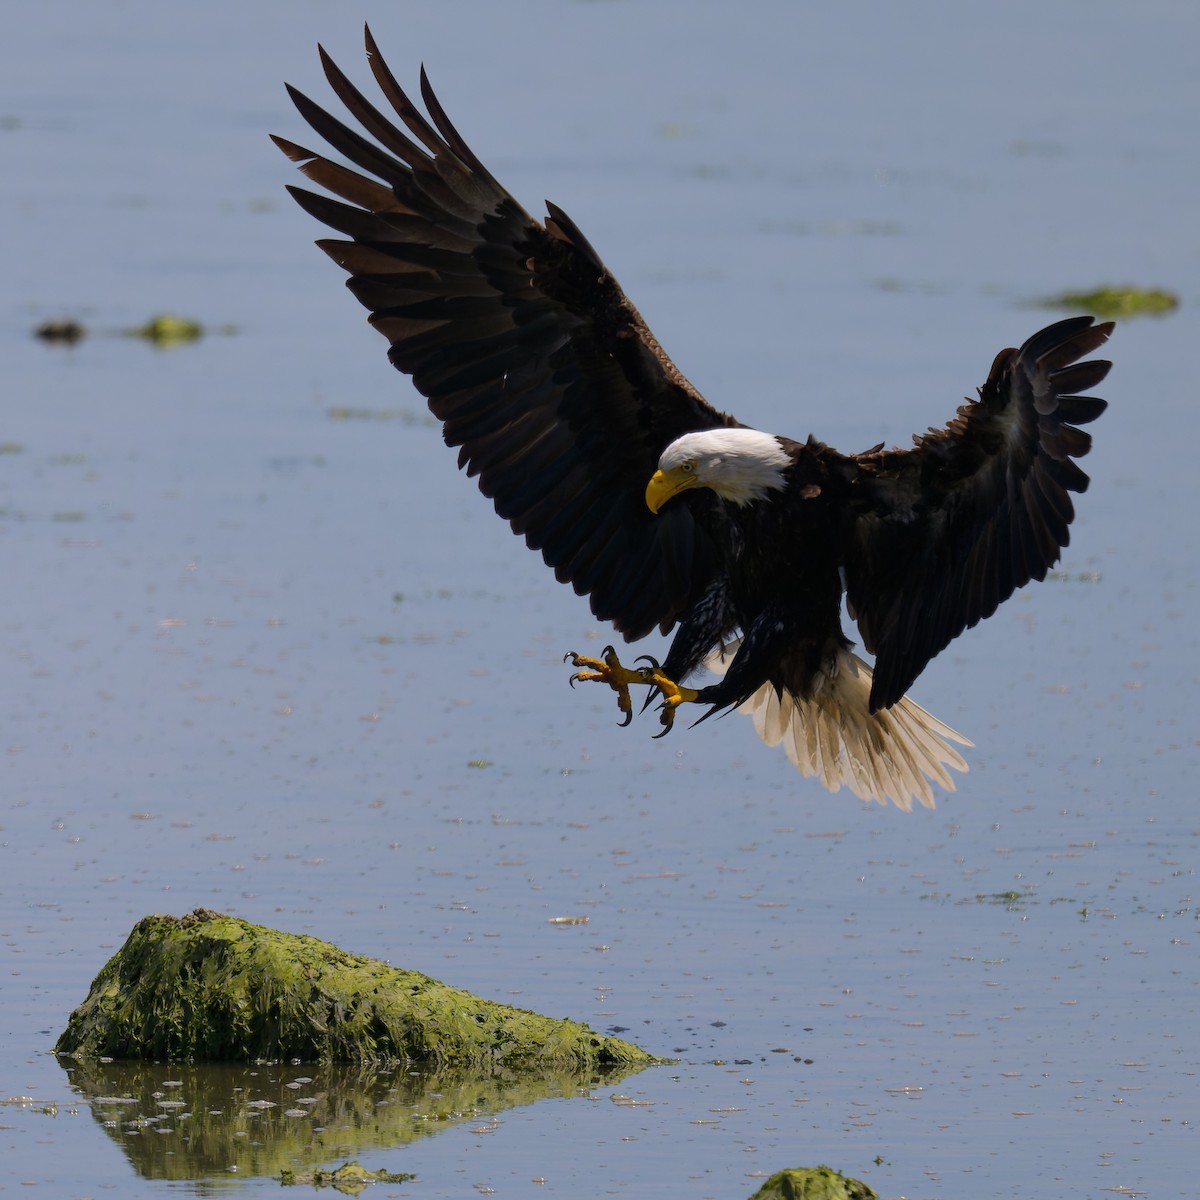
[265,651]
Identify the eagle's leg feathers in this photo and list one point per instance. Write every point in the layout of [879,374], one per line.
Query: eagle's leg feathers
[609,669]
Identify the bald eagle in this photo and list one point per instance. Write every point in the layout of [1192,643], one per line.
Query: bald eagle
[670,515]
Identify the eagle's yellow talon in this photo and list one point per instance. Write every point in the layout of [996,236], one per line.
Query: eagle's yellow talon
[673,694]
[609,669]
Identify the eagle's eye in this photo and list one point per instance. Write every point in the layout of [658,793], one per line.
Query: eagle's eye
[688,467]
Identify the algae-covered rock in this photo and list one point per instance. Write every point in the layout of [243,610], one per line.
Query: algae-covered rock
[350,1178]
[813,1183]
[213,988]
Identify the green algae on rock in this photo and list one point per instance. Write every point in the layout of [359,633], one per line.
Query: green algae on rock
[350,1178]
[813,1183]
[213,988]
[1112,302]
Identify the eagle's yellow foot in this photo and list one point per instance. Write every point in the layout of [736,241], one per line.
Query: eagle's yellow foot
[673,694]
[609,669]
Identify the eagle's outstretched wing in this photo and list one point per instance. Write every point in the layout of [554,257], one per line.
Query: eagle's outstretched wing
[941,534]
[540,370]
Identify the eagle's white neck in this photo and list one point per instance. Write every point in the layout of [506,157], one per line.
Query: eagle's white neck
[740,465]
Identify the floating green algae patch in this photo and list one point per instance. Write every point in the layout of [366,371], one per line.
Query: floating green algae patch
[1110,302]
[813,1183]
[166,329]
[212,988]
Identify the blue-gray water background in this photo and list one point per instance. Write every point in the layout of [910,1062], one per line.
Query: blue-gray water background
[264,650]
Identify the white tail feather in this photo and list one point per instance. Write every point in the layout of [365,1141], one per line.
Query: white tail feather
[889,755]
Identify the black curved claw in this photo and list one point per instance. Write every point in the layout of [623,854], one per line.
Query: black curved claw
[628,718]
[655,665]
[572,654]
[667,719]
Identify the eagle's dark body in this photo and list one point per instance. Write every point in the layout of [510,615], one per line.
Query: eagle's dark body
[789,633]
[563,405]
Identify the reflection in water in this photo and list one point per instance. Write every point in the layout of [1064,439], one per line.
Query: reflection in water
[179,1122]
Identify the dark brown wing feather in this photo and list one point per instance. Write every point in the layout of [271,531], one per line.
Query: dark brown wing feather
[527,350]
[941,534]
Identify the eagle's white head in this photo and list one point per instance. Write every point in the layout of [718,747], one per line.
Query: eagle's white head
[740,465]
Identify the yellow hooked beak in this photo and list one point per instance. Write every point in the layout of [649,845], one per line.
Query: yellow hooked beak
[665,484]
